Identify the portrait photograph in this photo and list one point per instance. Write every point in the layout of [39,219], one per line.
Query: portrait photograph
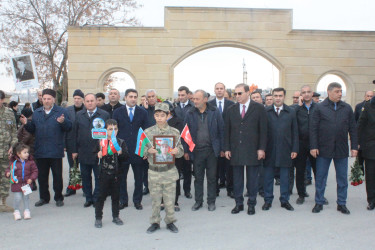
[24,72]
[164,146]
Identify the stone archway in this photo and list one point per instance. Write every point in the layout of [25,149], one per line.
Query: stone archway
[108,72]
[349,84]
[231,44]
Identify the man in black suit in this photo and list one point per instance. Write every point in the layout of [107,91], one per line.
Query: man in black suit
[357,113]
[245,144]
[224,169]
[69,136]
[85,146]
[130,118]
[114,102]
[182,106]
[23,74]
[282,148]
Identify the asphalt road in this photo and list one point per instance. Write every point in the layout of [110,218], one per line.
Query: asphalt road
[72,226]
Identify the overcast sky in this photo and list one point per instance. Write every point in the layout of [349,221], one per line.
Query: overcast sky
[307,14]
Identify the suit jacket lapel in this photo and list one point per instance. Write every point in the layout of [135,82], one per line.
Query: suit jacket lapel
[249,109]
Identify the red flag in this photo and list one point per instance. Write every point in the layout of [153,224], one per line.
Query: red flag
[187,138]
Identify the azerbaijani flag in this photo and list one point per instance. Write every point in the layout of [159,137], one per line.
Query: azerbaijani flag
[142,141]
[13,179]
[110,147]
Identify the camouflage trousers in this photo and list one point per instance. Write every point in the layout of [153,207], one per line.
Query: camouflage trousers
[162,185]
[4,181]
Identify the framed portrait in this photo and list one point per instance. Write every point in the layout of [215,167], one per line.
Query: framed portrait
[24,72]
[164,144]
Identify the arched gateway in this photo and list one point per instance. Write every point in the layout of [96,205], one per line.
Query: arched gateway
[149,55]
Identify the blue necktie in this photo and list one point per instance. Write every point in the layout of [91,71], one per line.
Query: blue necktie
[335,106]
[131,114]
[220,107]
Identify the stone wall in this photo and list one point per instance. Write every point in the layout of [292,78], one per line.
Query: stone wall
[149,55]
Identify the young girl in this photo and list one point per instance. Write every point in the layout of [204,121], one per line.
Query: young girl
[22,171]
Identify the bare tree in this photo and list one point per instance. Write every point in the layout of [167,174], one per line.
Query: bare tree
[40,27]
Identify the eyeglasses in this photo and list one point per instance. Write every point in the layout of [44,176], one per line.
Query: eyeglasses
[238,93]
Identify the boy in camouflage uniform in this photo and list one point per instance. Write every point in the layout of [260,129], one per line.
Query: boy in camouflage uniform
[162,177]
[8,138]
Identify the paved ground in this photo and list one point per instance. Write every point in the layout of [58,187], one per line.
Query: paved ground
[72,226]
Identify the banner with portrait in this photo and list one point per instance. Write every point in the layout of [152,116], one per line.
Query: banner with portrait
[24,72]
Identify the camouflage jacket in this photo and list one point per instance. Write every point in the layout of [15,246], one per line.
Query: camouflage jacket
[8,131]
[155,131]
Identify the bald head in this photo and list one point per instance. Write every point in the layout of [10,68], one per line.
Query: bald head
[368,95]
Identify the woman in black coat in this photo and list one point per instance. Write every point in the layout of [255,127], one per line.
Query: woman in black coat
[366,131]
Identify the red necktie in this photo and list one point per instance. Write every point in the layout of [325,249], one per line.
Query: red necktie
[243,111]
[277,111]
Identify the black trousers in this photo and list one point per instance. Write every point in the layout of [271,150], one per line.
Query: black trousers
[179,162]
[224,173]
[186,171]
[205,161]
[252,176]
[300,163]
[145,175]
[370,180]
[44,165]
[361,160]
[138,164]
[109,184]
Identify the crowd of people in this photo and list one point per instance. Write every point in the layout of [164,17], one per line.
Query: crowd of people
[265,140]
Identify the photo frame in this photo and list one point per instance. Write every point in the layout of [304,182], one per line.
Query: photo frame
[164,144]
[24,72]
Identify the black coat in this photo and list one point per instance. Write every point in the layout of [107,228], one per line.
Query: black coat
[128,131]
[282,138]
[358,110]
[110,109]
[227,104]
[329,129]
[244,137]
[215,128]
[366,130]
[83,144]
[69,136]
[176,123]
[303,120]
[180,113]
[150,114]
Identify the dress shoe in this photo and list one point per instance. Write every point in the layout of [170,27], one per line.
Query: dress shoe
[251,210]
[171,227]
[266,206]
[287,206]
[371,206]
[153,228]
[40,203]
[222,185]
[146,191]
[176,207]
[98,223]
[237,209]
[325,201]
[230,194]
[196,206]
[306,195]
[138,206]
[122,206]
[59,203]
[343,209]
[211,207]
[35,187]
[300,200]
[88,203]
[317,208]
[118,221]
[277,182]
[69,192]
[308,182]
[188,195]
